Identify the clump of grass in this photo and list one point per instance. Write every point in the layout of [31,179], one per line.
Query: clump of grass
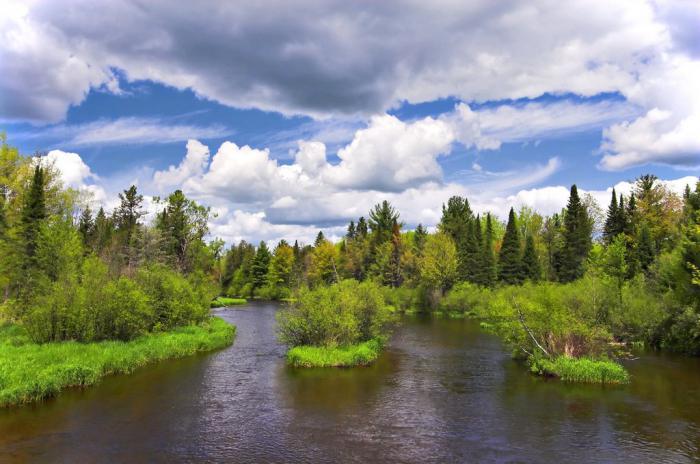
[582,370]
[31,372]
[223,301]
[361,354]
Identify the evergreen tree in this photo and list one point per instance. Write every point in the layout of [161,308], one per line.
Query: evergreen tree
[320,238]
[183,224]
[489,259]
[382,219]
[419,237]
[86,227]
[33,215]
[351,231]
[467,254]
[456,216]
[509,260]
[103,230]
[261,265]
[611,228]
[577,239]
[361,230]
[645,248]
[531,262]
[129,213]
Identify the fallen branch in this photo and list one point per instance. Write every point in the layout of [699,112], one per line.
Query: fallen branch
[527,329]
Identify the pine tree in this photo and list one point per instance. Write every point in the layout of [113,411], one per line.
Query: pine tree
[33,215]
[467,254]
[531,263]
[577,239]
[456,216]
[382,219]
[103,230]
[478,274]
[489,259]
[509,260]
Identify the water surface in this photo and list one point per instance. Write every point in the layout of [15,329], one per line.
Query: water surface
[444,391]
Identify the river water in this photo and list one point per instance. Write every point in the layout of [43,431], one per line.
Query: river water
[444,391]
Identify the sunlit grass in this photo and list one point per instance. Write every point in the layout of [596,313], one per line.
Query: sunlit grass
[30,372]
[361,354]
[582,370]
[224,301]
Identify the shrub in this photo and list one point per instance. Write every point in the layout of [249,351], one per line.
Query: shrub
[361,354]
[338,315]
[582,370]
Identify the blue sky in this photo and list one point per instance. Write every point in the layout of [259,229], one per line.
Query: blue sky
[340,114]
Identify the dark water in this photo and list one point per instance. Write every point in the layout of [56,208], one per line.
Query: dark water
[443,392]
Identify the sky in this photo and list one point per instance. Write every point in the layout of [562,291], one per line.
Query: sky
[292,117]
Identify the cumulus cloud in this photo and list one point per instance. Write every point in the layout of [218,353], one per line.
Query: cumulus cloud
[75,173]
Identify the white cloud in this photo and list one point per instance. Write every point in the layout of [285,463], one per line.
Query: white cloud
[194,164]
[75,173]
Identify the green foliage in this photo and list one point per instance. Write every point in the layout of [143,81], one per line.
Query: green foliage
[510,268]
[531,262]
[342,314]
[30,372]
[260,266]
[360,354]
[581,370]
[438,265]
[222,301]
[577,240]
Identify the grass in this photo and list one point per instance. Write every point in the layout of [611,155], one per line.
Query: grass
[582,370]
[223,301]
[30,372]
[361,354]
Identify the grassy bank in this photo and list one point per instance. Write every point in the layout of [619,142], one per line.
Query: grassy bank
[224,301]
[30,372]
[581,370]
[361,354]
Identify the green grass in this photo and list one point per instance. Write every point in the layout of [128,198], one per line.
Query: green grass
[361,354]
[30,372]
[581,370]
[223,301]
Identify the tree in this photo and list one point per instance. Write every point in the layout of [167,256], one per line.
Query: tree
[456,216]
[86,227]
[103,231]
[509,259]
[382,219]
[129,213]
[438,265]
[531,262]
[577,239]
[362,229]
[645,248]
[615,263]
[489,259]
[324,259]
[33,216]
[420,235]
[281,266]
[613,225]
[183,224]
[320,238]
[261,265]
[350,235]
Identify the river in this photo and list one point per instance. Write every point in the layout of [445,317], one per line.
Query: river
[444,391]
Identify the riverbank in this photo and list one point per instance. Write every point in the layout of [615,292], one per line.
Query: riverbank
[361,354]
[31,372]
[223,301]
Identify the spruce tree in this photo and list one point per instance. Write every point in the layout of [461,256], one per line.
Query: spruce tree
[645,248]
[610,230]
[577,239]
[467,253]
[33,215]
[351,231]
[478,274]
[361,229]
[489,259]
[509,259]
[531,263]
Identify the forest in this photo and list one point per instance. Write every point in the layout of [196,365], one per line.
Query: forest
[569,293]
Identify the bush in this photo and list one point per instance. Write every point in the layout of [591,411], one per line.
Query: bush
[342,314]
[224,301]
